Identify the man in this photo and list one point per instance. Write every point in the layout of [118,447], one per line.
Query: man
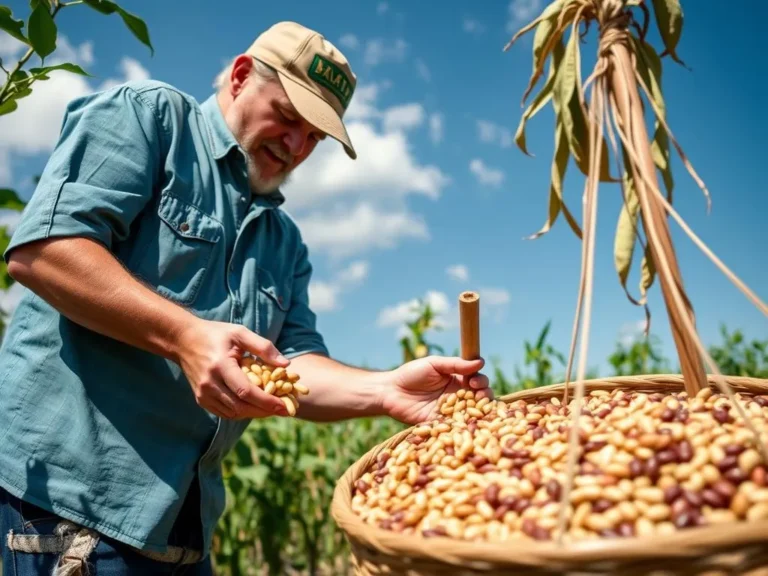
[156,254]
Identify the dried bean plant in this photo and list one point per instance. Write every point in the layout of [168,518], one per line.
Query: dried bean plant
[627,68]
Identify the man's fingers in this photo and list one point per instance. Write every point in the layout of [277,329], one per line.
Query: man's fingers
[453,365]
[479,382]
[260,347]
[249,393]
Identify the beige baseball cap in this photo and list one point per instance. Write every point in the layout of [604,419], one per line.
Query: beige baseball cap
[315,75]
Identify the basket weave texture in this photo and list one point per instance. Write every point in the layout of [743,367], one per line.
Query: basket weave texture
[718,550]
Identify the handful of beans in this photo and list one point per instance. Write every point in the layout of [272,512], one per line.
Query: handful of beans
[647,463]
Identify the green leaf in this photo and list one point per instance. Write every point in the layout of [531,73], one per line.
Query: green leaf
[10,25]
[138,27]
[135,24]
[69,67]
[556,203]
[669,19]
[256,474]
[8,106]
[9,200]
[42,31]
[5,278]
[103,6]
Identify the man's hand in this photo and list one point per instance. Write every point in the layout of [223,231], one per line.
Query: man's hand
[209,353]
[413,392]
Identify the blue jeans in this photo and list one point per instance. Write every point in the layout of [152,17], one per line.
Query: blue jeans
[107,558]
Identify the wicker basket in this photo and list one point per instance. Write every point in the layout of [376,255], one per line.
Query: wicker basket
[739,548]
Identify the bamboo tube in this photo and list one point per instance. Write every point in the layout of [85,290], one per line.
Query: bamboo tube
[630,109]
[469,314]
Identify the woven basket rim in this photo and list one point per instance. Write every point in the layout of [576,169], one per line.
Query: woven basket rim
[688,543]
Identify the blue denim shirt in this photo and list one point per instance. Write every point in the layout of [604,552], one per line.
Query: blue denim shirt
[100,432]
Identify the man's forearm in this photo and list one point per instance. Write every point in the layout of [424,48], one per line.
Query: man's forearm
[87,284]
[337,391]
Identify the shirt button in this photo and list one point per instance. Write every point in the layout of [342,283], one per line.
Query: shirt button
[242,199]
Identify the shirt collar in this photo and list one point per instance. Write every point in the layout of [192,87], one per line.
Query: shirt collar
[223,142]
[222,139]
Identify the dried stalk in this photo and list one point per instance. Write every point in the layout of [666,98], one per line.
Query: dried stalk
[626,68]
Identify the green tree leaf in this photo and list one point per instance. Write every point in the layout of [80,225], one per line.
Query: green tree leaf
[11,25]
[8,106]
[69,67]
[9,200]
[42,31]
[669,19]
[135,24]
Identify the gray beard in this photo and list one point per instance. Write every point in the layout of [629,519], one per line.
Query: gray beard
[259,185]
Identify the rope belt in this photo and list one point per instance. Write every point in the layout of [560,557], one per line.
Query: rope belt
[74,544]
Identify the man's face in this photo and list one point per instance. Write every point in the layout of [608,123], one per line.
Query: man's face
[273,134]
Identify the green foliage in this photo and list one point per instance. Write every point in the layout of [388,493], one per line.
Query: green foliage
[736,357]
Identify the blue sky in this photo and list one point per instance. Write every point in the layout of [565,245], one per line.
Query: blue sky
[440,196]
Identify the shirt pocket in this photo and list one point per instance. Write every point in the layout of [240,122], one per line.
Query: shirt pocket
[179,260]
[274,298]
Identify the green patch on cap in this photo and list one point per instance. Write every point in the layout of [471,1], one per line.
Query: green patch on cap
[326,73]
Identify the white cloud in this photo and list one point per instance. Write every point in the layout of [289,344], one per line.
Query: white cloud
[353,274]
[493,297]
[485,175]
[493,302]
[423,70]
[630,332]
[382,7]
[403,117]
[473,26]
[324,296]
[494,134]
[34,126]
[379,50]
[66,52]
[132,71]
[349,41]
[521,12]
[362,106]
[10,50]
[345,232]
[458,272]
[385,169]
[407,311]
[347,207]
[436,128]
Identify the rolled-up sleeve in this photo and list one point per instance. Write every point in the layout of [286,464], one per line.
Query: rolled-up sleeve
[299,334]
[101,173]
